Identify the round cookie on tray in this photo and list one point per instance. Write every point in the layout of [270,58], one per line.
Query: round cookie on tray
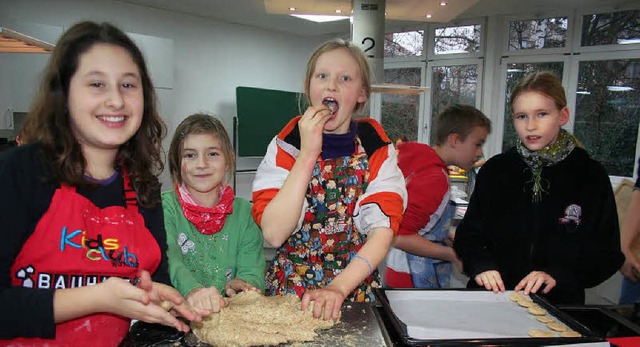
[516,296]
[570,333]
[526,303]
[537,310]
[541,333]
[544,319]
[557,326]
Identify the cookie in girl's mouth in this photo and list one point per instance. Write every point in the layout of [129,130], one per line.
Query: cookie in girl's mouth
[332,104]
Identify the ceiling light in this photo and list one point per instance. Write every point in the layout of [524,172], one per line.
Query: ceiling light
[292,8]
[428,16]
[319,18]
[443,3]
[338,11]
[619,89]
[583,92]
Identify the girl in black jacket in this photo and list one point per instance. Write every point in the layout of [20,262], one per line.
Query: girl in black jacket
[542,217]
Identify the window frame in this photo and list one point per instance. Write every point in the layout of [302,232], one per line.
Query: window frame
[573,87]
[424,29]
[431,40]
[428,75]
[494,58]
[527,52]
[404,64]
[600,48]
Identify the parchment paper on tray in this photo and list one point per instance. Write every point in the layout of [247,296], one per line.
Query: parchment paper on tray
[446,314]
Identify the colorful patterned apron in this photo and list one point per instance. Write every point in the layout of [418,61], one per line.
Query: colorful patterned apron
[314,255]
[77,244]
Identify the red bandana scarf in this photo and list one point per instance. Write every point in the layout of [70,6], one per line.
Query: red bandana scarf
[207,220]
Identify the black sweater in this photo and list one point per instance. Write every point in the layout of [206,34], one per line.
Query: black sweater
[573,234]
[25,197]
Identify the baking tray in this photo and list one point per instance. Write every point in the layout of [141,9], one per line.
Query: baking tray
[461,317]
[359,326]
[604,320]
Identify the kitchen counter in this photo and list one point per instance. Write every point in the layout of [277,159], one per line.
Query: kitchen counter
[363,324]
[360,325]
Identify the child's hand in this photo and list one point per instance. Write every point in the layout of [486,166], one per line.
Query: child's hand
[533,281]
[491,280]
[169,299]
[119,297]
[328,300]
[457,263]
[206,299]
[237,285]
[631,267]
[629,270]
[311,126]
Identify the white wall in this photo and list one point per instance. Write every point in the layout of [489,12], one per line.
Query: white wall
[210,59]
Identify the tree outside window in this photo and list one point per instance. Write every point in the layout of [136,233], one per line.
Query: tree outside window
[608,112]
[538,33]
[400,112]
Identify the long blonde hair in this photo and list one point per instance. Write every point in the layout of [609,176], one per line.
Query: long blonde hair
[356,53]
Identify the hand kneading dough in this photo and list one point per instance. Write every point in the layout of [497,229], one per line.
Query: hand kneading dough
[166,305]
[252,319]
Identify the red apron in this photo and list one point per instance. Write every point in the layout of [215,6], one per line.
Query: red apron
[76,244]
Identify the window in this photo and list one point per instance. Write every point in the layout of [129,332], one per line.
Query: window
[405,44]
[450,85]
[611,28]
[456,40]
[538,33]
[608,112]
[400,112]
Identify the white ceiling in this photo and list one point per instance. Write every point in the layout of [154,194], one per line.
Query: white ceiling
[254,12]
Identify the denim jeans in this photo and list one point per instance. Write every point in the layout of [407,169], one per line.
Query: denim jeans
[428,272]
[629,292]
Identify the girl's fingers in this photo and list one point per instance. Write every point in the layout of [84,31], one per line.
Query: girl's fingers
[306,299]
[536,284]
[317,307]
[328,309]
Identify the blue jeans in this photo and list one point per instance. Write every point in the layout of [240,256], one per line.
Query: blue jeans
[629,292]
[428,272]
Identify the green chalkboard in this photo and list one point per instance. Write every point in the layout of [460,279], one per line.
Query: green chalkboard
[262,113]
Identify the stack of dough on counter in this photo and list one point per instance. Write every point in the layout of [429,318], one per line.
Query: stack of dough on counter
[540,313]
[252,319]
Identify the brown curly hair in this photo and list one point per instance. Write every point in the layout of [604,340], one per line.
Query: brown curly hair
[49,123]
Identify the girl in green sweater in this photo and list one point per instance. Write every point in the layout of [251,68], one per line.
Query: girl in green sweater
[215,247]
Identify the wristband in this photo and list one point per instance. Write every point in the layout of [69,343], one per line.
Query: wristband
[366,261]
